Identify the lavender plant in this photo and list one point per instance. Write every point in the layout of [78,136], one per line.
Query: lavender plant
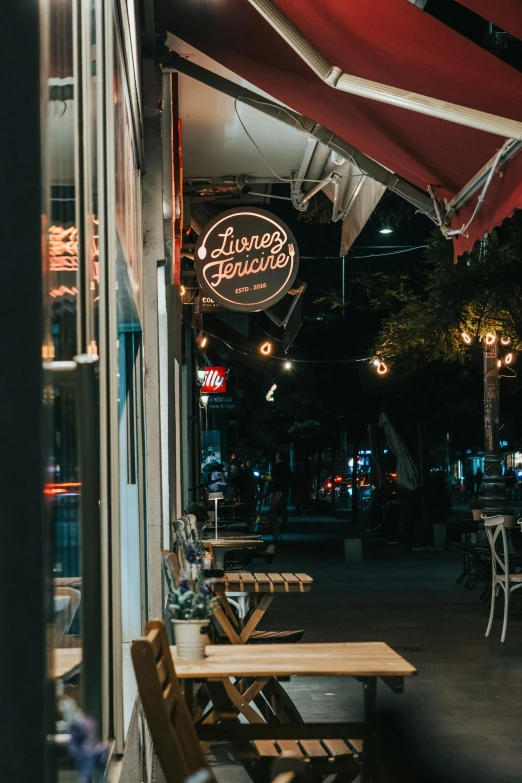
[185,603]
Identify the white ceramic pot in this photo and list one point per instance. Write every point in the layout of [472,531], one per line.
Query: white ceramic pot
[477,514]
[207,563]
[190,637]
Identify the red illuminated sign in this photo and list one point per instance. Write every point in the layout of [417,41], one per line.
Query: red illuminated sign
[215,380]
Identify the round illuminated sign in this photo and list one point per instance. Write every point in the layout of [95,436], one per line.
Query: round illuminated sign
[246,259]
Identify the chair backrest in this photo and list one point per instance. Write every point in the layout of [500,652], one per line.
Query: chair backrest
[177,527]
[171,569]
[173,734]
[495,528]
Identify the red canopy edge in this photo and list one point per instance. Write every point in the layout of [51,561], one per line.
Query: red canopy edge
[506,14]
[503,197]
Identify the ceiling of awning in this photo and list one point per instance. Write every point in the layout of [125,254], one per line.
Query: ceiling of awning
[391,42]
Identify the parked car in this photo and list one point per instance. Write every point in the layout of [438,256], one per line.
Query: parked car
[341,484]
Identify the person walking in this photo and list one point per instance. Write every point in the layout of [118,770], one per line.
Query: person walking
[478,480]
[281,480]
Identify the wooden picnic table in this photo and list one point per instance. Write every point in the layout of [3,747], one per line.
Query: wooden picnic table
[261,587]
[220,546]
[237,677]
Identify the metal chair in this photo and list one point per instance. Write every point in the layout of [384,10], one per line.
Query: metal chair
[501,578]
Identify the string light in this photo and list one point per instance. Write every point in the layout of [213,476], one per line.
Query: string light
[203,340]
[499,363]
[508,358]
[270,393]
[490,338]
[182,290]
[287,365]
[380,366]
[266,348]
[467,339]
[505,340]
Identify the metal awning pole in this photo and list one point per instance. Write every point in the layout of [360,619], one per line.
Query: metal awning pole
[172,61]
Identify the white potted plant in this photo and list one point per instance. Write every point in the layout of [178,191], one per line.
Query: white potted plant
[191,605]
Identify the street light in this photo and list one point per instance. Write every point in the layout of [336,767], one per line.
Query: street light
[287,365]
[386,230]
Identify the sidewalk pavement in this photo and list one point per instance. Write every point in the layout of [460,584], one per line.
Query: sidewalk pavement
[459,719]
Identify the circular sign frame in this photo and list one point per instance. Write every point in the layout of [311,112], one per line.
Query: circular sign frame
[246,259]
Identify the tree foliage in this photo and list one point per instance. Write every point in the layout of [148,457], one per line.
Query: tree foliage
[481,294]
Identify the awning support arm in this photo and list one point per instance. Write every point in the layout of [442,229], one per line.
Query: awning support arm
[172,61]
[404,99]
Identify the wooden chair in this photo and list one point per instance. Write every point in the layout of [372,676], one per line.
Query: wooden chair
[501,578]
[173,735]
[177,744]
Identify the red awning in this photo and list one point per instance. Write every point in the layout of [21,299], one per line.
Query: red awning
[388,41]
[506,14]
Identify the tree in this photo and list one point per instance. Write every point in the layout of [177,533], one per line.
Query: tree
[438,317]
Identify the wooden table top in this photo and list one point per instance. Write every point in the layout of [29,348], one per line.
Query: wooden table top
[66,660]
[344,659]
[236,543]
[245,582]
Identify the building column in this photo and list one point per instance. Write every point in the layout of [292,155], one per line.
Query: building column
[153,255]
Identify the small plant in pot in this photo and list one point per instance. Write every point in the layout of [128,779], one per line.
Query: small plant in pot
[477,507]
[191,605]
[510,517]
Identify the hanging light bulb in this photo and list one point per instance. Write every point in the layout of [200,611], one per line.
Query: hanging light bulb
[508,358]
[203,340]
[376,362]
[467,339]
[382,368]
[490,338]
[499,363]
[266,348]
[288,365]
[505,340]
[182,290]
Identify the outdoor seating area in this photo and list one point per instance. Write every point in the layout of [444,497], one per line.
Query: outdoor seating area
[233,691]
[492,560]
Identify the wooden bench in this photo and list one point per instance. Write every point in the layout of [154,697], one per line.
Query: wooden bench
[176,742]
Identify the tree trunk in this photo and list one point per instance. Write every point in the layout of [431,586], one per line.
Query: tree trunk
[493,490]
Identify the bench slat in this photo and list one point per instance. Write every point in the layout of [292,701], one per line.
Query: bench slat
[337,747]
[266,748]
[313,749]
[290,748]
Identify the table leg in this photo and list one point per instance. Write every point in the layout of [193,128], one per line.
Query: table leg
[227,626]
[255,618]
[280,702]
[370,765]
